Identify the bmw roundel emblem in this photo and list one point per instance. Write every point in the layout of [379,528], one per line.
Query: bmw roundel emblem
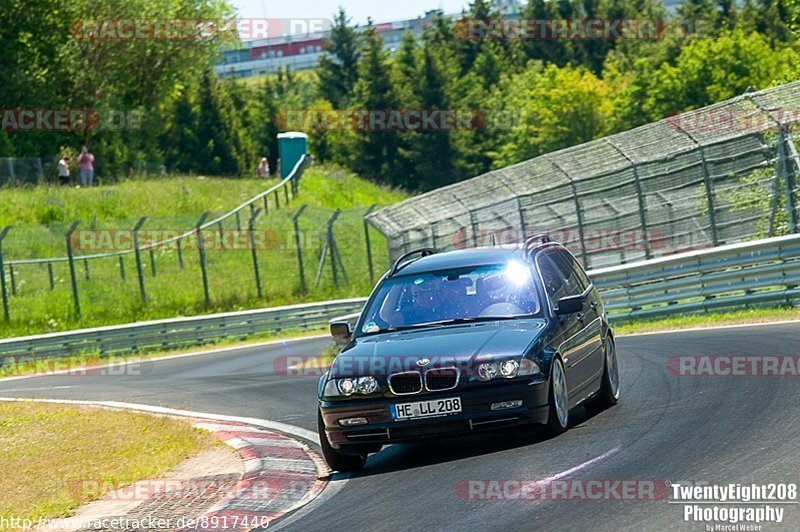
[423,362]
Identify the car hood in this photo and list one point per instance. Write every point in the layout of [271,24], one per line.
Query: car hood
[461,345]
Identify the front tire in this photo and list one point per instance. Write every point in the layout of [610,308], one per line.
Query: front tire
[335,459]
[558,399]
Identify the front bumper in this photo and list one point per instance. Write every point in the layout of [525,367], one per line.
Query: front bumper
[476,414]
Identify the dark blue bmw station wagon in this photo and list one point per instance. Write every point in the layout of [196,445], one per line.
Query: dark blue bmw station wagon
[463,341]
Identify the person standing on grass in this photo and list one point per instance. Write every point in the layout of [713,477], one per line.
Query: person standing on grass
[63,170]
[85,163]
[262,172]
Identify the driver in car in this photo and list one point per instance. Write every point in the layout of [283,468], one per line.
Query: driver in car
[424,303]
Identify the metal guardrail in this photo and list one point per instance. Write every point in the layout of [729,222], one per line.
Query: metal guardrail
[176,333]
[763,272]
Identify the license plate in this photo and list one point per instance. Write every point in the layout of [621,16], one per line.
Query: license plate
[422,409]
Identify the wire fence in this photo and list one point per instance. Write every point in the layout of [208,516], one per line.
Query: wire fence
[17,172]
[273,249]
[721,174]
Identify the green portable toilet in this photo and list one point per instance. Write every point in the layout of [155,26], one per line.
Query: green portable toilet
[292,145]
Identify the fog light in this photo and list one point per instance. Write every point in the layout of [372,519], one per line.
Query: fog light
[506,404]
[351,421]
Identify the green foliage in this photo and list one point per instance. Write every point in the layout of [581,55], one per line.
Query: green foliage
[549,108]
[338,72]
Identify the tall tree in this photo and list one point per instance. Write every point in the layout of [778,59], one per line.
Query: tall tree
[338,70]
[376,153]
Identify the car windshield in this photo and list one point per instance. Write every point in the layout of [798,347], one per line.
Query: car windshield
[475,293]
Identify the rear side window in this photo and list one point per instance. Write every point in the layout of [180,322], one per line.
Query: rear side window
[559,277]
[570,263]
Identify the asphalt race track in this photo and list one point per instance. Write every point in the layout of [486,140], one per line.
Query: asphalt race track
[680,429]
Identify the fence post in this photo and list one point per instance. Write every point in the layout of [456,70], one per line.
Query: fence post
[277,200]
[579,214]
[13,280]
[369,244]
[331,247]
[251,228]
[201,248]
[86,269]
[73,278]
[152,261]
[180,252]
[121,268]
[299,247]
[286,194]
[138,255]
[712,211]
[238,221]
[6,314]
[50,276]
[788,175]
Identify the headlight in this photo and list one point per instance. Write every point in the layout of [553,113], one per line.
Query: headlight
[349,386]
[507,369]
[346,386]
[487,372]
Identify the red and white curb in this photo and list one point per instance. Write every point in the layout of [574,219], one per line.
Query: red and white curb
[281,473]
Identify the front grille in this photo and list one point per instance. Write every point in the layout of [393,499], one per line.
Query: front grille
[421,431]
[441,379]
[405,383]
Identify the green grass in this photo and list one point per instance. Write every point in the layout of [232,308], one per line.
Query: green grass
[176,204]
[736,317]
[94,448]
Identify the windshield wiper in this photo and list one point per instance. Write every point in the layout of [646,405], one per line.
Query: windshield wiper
[456,321]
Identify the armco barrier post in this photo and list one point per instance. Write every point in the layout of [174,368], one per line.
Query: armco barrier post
[251,228]
[73,278]
[369,244]
[138,255]
[201,248]
[6,314]
[299,247]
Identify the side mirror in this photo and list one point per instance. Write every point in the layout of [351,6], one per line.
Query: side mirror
[570,305]
[341,332]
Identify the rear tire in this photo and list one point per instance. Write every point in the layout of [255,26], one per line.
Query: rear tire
[335,459]
[558,399]
[609,387]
